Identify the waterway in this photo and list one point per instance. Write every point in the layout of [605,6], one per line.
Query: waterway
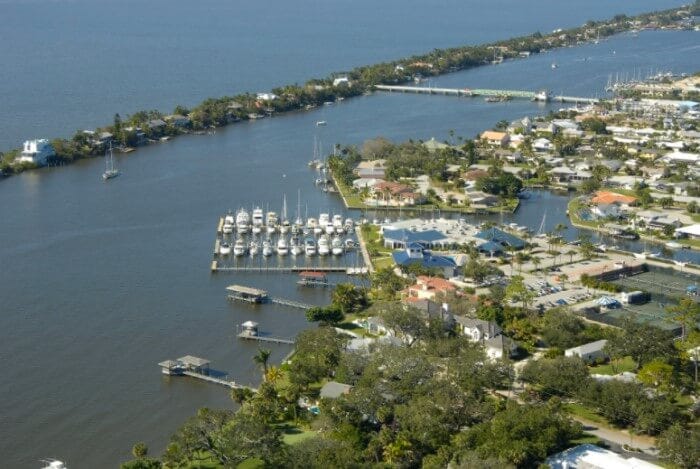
[101,281]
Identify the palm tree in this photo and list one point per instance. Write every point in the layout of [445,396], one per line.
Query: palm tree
[261,358]
[273,374]
[571,253]
[536,262]
[563,278]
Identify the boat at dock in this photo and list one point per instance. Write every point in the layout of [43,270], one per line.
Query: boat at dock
[323,246]
[257,220]
[267,248]
[336,246]
[295,248]
[271,221]
[673,245]
[53,464]
[229,222]
[242,221]
[225,249]
[239,248]
[282,246]
[310,246]
[253,248]
[338,224]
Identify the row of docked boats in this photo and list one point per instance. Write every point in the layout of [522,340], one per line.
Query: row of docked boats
[270,222]
[309,246]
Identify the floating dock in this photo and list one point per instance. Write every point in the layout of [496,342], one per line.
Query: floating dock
[310,278]
[198,368]
[292,269]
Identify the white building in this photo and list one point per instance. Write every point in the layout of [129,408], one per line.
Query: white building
[36,151]
[594,457]
[588,352]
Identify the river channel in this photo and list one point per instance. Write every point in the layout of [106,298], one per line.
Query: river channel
[101,281]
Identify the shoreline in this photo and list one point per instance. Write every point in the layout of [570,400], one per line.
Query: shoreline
[219,112]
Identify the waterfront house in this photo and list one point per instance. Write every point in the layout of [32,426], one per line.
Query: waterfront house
[659,220]
[590,352]
[36,151]
[605,197]
[341,81]
[395,194]
[494,138]
[690,231]
[178,120]
[542,145]
[417,254]
[480,199]
[371,169]
[365,182]
[433,145]
[428,287]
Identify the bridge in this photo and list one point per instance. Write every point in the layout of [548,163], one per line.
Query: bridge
[473,92]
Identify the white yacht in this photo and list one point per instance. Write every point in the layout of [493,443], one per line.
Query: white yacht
[285,226]
[266,248]
[257,220]
[271,222]
[242,221]
[225,249]
[323,246]
[253,248]
[336,246]
[239,248]
[323,220]
[229,221]
[310,246]
[282,246]
[673,245]
[294,247]
[338,224]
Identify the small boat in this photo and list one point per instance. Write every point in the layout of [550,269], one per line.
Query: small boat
[285,227]
[228,228]
[53,464]
[239,248]
[349,224]
[641,255]
[554,65]
[225,249]
[338,224]
[110,171]
[680,263]
[295,247]
[320,123]
[674,245]
[242,221]
[282,246]
[310,246]
[266,248]
[323,246]
[336,246]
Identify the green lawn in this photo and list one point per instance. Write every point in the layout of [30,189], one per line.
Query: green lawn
[626,364]
[586,413]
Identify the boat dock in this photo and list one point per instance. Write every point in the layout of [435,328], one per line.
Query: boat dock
[198,368]
[472,92]
[215,267]
[309,278]
[250,332]
[257,296]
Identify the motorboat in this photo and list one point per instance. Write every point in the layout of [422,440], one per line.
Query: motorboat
[309,246]
[242,221]
[239,248]
[267,248]
[311,224]
[330,228]
[674,245]
[323,246]
[285,227]
[338,224]
[225,249]
[271,221]
[294,247]
[253,248]
[257,220]
[349,224]
[229,221]
[110,171]
[282,246]
[336,246]
[349,243]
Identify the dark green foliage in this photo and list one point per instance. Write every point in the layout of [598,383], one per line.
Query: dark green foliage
[559,376]
[505,184]
[681,446]
[643,343]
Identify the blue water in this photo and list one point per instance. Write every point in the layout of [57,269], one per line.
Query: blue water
[99,282]
[72,64]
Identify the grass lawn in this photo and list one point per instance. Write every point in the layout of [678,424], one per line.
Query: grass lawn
[586,413]
[626,364]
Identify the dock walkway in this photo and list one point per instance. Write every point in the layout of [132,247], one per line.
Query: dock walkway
[469,92]
[262,338]
[197,368]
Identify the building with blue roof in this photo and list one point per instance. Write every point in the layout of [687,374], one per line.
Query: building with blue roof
[401,238]
[415,253]
[495,235]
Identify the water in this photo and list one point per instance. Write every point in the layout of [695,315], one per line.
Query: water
[72,64]
[101,281]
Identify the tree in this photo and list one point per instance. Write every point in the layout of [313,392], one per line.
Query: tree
[657,373]
[408,322]
[246,436]
[261,358]
[139,450]
[561,329]
[687,313]
[642,342]
[559,376]
[348,298]
[666,202]
[240,395]
[680,446]
[326,315]
[518,291]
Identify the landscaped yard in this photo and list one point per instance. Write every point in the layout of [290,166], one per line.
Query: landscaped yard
[619,366]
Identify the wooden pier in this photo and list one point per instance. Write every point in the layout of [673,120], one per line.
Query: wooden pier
[215,267]
[250,332]
[257,296]
[197,368]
